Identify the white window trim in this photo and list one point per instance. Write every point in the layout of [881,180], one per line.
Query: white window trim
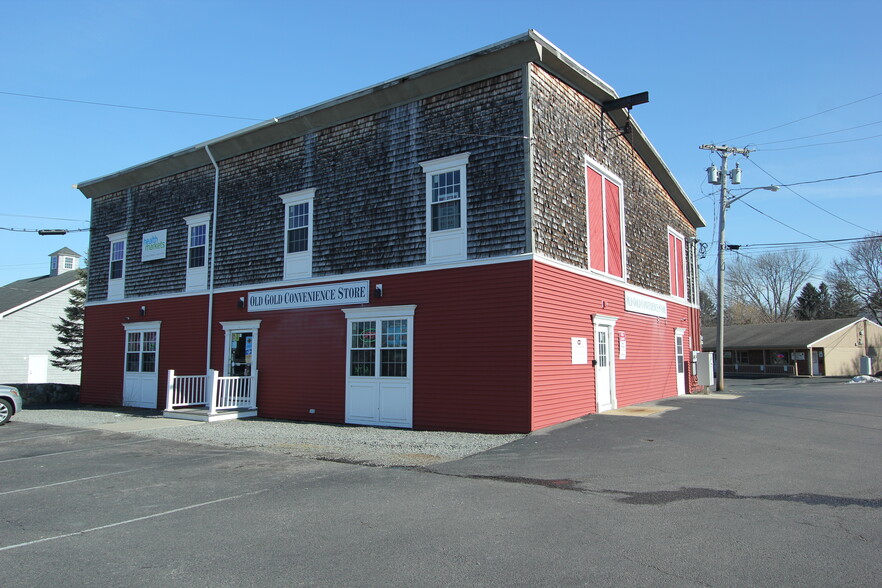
[607,174]
[116,286]
[450,244]
[231,327]
[197,278]
[678,235]
[299,264]
[374,312]
[141,327]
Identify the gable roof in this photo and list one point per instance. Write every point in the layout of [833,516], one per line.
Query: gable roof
[502,57]
[30,290]
[65,251]
[794,335]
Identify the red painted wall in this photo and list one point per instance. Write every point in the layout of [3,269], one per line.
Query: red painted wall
[491,348]
[563,306]
[471,346]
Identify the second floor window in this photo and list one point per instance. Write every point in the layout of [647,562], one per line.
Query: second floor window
[446,208]
[446,201]
[298,233]
[117,259]
[298,227]
[606,213]
[677,262]
[196,256]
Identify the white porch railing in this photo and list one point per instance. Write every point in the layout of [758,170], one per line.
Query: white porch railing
[223,392]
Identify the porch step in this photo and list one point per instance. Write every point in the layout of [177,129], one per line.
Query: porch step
[201,414]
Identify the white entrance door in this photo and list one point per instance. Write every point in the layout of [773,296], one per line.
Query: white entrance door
[140,384]
[38,369]
[604,363]
[379,366]
[680,362]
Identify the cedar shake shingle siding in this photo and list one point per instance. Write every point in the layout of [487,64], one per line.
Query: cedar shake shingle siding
[370,203]
[566,127]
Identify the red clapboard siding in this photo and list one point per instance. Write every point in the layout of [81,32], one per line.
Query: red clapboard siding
[564,303]
[492,349]
[471,345]
[182,336]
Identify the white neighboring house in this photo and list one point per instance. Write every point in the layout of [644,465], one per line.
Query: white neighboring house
[28,309]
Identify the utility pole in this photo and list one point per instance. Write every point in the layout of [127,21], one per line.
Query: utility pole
[720,177]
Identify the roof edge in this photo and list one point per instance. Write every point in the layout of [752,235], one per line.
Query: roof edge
[501,57]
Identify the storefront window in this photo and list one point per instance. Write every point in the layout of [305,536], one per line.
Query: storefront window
[363,348]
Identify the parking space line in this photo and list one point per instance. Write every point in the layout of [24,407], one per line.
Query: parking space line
[76,450]
[76,432]
[135,520]
[77,480]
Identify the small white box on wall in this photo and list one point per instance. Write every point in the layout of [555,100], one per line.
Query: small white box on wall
[579,350]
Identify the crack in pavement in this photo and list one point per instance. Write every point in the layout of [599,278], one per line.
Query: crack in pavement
[687,493]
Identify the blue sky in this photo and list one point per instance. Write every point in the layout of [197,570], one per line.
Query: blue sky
[715,72]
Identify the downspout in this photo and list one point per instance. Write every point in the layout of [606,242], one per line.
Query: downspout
[211,263]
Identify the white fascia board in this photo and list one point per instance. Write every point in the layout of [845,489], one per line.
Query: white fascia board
[14,309]
[848,326]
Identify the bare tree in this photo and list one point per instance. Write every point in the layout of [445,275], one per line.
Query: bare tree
[860,274]
[770,282]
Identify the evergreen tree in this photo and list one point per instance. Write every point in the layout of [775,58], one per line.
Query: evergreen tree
[844,303]
[69,355]
[825,302]
[808,303]
[708,309]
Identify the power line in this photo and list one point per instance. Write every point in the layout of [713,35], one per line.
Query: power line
[809,201]
[822,144]
[76,220]
[820,134]
[786,225]
[44,231]
[818,241]
[130,107]
[803,118]
[830,179]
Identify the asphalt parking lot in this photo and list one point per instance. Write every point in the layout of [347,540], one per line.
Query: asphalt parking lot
[780,484]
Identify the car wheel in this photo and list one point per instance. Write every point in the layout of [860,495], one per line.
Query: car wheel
[5,411]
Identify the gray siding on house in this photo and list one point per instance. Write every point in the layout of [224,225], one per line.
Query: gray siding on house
[566,127]
[369,208]
[28,332]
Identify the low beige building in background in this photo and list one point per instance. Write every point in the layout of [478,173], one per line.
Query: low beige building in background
[830,347]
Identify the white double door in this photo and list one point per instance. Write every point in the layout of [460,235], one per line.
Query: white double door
[379,366]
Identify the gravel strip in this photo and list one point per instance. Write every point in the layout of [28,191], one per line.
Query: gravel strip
[354,444]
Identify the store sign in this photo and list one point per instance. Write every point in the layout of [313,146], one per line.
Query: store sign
[645,305]
[153,245]
[308,296]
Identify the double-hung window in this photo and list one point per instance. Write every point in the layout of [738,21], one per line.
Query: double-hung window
[197,251]
[606,214]
[677,262]
[116,271]
[446,208]
[298,233]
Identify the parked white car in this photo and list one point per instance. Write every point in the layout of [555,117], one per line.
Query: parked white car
[10,403]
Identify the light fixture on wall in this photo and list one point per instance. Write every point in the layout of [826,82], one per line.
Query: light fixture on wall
[378,291]
[143,311]
[241,302]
